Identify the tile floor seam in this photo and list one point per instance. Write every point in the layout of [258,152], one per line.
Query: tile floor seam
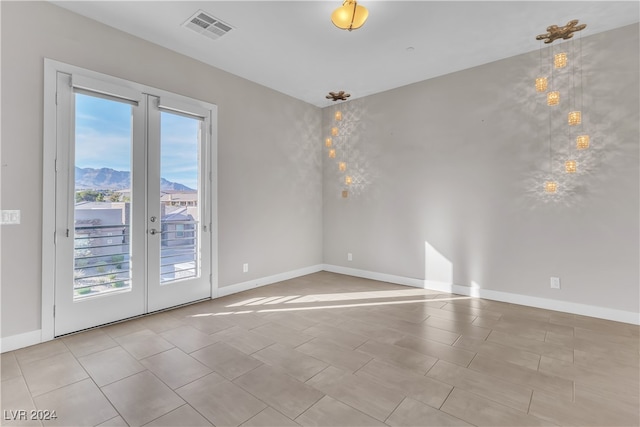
[268,404]
[446,398]
[309,407]
[530,401]
[164,382]
[62,386]
[181,406]
[368,339]
[318,373]
[494,400]
[430,368]
[394,409]
[360,368]
[472,359]
[105,396]
[351,406]
[120,379]
[112,405]
[457,339]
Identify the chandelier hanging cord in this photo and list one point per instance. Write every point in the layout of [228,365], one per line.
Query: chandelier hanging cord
[550,153]
[573,73]
[581,82]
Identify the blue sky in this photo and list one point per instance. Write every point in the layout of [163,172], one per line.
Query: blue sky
[103,139]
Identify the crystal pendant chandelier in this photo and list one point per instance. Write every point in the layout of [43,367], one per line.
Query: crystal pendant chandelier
[561,60]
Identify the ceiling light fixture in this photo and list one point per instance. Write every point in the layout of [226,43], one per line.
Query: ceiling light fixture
[554,32]
[338,96]
[349,16]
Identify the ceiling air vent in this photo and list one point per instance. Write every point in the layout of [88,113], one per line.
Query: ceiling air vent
[205,24]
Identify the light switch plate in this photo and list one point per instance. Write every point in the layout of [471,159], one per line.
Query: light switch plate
[10,217]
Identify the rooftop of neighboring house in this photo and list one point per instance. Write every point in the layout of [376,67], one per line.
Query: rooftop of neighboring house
[190,196]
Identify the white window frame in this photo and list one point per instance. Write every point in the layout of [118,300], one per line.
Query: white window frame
[105,83]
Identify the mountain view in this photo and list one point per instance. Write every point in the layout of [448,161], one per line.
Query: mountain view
[110,179]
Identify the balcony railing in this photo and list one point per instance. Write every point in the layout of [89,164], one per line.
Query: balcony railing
[102,256]
[179,258]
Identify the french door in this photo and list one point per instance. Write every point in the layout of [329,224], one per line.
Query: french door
[133,201]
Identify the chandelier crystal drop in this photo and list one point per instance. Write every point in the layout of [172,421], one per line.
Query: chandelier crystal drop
[570,166]
[550,186]
[582,142]
[553,98]
[541,84]
[560,60]
[575,118]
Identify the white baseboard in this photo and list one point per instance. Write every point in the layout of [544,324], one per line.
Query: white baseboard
[545,303]
[263,281]
[15,342]
[27,339]
[35,337]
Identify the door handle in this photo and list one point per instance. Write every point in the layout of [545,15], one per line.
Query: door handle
[153,232]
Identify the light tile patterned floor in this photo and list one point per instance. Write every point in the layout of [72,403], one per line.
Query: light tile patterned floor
[332,350]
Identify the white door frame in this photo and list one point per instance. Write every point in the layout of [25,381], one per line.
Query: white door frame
[51,69]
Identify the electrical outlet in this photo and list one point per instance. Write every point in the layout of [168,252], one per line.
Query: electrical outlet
[10,217]
[245,267]
[349,256]
[555,283]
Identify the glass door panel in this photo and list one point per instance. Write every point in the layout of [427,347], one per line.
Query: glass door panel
[102,214]
[179,201]
[178,239]
[100,245]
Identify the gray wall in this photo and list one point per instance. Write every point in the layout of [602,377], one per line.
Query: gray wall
[269,165]
[458,162]
[454,162]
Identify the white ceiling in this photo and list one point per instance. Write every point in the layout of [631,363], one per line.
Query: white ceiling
[292,46]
